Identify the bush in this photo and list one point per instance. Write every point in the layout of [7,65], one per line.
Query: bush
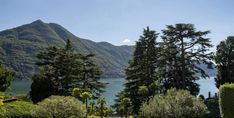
[226,102]
[213,107]
[18,109]
[174,104]
[41,88]
[61,107]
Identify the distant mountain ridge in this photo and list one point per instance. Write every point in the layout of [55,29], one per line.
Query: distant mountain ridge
[19,46]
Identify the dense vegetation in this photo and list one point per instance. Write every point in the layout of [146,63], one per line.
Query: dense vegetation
[172,63]
[161,78]
[61,70]
[224,60]
[226,102]
[6,76]
[174,104]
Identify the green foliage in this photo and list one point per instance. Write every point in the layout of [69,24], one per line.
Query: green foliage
[213,107]
[141,70]
[90,76]
[182,50]
[23,97]
[101,101]
[1,99]
[143,90]
[41,88]
[226,96]
[86,95]
[174,104]
[77,92]
[62,67]
[18,109]
[61,107]
[126,104]
[67,69]
[224,60]
[6,77]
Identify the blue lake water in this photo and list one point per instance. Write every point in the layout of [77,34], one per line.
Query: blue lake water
[115,85]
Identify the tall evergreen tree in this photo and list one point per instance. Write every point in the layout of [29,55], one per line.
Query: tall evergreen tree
[90,76]
[62,66]
[183,50]
[141,70]
[225,61]
[66,69]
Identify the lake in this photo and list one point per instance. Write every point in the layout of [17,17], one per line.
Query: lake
[115,85]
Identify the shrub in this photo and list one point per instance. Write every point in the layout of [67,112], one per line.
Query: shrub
[226,102]
[41,88]
[18,109]
[213,107]
[23,97]
[61,107]
[174,104]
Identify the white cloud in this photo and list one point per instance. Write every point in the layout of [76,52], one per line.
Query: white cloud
[126,41]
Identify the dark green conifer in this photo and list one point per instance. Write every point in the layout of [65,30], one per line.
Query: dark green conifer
[225,62]
[183,50]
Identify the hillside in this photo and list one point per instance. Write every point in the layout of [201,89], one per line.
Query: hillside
[19,46]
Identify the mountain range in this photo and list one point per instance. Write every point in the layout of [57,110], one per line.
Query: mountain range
[19,47]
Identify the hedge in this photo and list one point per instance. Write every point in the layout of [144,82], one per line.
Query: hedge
[226,100]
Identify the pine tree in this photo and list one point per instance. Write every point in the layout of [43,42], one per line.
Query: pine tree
[141,70]
[90,76]
[67,69]
[183,50]
[225,61]
[62,66]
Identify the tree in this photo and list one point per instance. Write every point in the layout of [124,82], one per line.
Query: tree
[92,105]
[85,96]
[183,50]
[101,101]
[41,88]
[174,104]
[90,76]
[62,67]
[212,104]
[6,77]
[126,104]
[225,61]
[141,70]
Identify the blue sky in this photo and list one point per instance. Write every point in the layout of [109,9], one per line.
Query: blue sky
[120,22]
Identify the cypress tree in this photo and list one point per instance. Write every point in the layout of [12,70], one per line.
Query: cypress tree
[141,70]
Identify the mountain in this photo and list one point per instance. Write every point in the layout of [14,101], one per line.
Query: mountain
[19,46]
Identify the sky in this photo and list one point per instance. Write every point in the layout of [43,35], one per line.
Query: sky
[121,22]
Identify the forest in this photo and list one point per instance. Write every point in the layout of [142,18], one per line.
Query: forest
[161,80]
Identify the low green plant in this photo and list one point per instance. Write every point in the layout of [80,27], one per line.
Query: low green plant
[226,96]
[174,104]
[23,97]
[61,107]
[18,109]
